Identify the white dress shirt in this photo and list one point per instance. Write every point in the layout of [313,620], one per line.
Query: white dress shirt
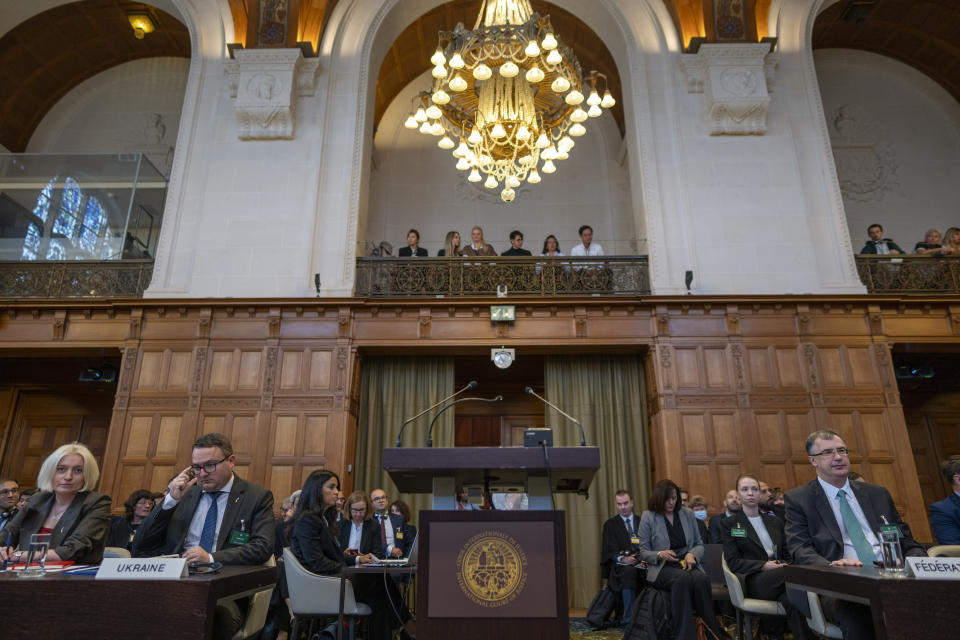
[849,551]
[593,250]
[196,524]
[763,534]
[355,532]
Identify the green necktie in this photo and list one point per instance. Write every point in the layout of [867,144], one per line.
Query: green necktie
[860,543]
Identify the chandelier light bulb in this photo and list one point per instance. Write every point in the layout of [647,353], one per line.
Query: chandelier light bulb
[426,128]
[566,143]
[509,70]
[508,194]
[456,61]
[463,164]
[498,132]
[594,98]
[549,167]
[574,98]
[532,49]
[525,161]
[512,181]
[534,177]
[438,58]
[420,115]
[486,160]
[439,72]
[595,111]
[491,183]
[440,97]
[543,142]
[457,83]
[474,175]
[433,112]
[577,130]
[550,153]
[475,137]
[482,72]
[446,143]
[523,134]
[410,122]
[534,75]
[462,150]
[436,129]
[549,42]
[560,85]
[578,115]
[608,100]
[554,57]
[562,155]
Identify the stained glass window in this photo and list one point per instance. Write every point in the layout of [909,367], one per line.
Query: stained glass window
[56,251]
[43,201]
[93,219]
[66,223]
[31,244]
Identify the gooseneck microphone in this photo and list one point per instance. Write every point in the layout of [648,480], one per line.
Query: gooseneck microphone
[470,385]
[455,402]
[531,392]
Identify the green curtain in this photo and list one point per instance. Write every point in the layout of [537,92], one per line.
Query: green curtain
[607,395]
[391,390]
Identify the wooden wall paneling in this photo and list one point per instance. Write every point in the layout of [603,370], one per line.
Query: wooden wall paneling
[8,396]
[924,453]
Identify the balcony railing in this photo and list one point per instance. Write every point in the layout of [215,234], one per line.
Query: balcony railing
[75,279]
[909,274]
[521,276]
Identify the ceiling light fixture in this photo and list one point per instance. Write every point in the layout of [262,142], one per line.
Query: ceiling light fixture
[142,24]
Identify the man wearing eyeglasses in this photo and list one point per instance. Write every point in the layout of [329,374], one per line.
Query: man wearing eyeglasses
[831,521]
[211,515]
[9,496]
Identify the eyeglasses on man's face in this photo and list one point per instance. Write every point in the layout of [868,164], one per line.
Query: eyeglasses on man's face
[843,451]
[10,492]
[207,467]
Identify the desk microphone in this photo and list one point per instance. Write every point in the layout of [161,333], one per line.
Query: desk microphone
[455,402]
[470,385]
[531,392]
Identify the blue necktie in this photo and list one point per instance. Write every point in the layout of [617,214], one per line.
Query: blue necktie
[208,536]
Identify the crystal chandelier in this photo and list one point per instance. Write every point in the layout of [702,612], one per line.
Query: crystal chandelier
[512,94]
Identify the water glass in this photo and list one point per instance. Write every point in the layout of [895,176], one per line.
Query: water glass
[36,556]
[892,552]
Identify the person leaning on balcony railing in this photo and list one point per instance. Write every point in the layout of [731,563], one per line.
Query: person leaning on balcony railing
[451,245]
[877,244]
[477,246]
[931,245]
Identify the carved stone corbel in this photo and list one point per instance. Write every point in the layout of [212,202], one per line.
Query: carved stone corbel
[736,80]
[265,84]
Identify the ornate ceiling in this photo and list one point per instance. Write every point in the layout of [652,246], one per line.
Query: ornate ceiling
[919,33]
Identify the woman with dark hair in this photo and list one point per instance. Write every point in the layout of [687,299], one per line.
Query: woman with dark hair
[413,248]
[671,546]
[136,509]
[551,247]
[315,542]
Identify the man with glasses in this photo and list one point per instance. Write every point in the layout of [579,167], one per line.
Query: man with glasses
[394,538]
[831,521]
[211,515]
[9,497]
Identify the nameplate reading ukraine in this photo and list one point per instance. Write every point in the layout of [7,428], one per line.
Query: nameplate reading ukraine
[935,568]
[142,569]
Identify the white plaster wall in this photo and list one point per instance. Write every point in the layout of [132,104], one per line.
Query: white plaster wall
[133,107]
[896,141]
[414,184]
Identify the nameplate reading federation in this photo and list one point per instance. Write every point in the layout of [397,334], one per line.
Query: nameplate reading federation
[142,569]
[935,568]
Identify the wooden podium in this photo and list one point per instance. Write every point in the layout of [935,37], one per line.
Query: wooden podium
[492,574]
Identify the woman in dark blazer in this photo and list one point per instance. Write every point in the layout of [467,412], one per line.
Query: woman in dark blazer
[413,249]
[755,548]
[315,542]
[76,517]
[136,509]
[670,544]
[357,524]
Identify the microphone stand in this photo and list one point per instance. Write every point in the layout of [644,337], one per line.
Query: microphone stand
[583,438]
[455,402]
[470,385]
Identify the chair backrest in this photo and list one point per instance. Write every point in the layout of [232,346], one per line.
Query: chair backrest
[313,594]
[733,584]
[257,609]
[817,623]
[115,552]
[944,550]
[712,555]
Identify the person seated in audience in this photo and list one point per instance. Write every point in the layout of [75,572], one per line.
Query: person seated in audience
[136,509]
[670,544]
[66,507]
[551,247]
[477,246]
[189,521]
[766,502]
[9,497]
[945,515]
[877,244]
[395,531]
[157,497]
[620,549]
[412,249]
[699,506]
[731,505]
[463,502]
[931,244]
[359,534]
[833,522]
[314,541]
[684,498]
[754,546]
[402,509]
[278,614]
[516,245]
[451,245]
[587,246]
[951,242]
[25,496]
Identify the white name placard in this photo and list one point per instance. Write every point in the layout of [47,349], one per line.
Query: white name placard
[935,568]
[143,569]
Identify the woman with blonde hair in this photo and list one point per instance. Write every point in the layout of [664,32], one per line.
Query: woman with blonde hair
[951,242]
[451,245]
[66,507]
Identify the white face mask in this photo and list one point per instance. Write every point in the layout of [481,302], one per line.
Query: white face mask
[700,515]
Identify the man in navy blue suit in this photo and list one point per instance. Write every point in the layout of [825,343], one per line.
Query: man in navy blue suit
[620,544]
[394,540]
[945,515]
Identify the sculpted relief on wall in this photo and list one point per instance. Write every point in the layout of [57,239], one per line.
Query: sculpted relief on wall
[866,162]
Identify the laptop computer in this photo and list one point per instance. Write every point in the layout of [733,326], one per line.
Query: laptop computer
[401,562]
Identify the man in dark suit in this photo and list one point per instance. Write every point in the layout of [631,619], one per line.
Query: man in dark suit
[831,521]
[211,515]
[620,541]
[412,249]
[945,515]
[394,539]
[731,504]
[9,496]
[516,245]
